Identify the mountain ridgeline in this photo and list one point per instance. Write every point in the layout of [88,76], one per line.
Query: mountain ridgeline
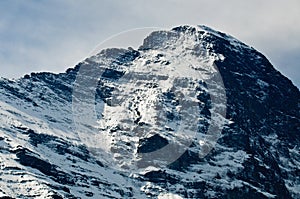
[144,99]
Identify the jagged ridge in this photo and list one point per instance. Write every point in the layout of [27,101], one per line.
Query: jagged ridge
[257,155]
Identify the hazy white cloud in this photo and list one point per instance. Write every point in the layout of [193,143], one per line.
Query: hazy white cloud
[55,35]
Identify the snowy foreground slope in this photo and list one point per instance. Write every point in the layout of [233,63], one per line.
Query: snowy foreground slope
[192,113]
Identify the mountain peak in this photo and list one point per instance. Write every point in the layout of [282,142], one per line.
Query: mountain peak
[191,113]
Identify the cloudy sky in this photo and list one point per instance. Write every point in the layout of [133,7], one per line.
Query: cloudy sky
[54,35]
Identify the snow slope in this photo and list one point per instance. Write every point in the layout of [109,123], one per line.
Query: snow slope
[192,113]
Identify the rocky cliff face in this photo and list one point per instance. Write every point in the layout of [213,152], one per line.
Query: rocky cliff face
[192,113]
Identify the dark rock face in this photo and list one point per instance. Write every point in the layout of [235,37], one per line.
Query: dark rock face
[151,144]
[257,155]
[26,159]
[259,111]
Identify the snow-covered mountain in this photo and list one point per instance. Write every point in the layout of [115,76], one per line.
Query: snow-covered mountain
[191,113]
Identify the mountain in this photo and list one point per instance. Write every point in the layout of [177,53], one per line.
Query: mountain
[191,113]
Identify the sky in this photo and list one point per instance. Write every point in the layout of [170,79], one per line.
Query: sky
[40,35]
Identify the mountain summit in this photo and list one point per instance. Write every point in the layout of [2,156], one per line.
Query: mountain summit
[191,113]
